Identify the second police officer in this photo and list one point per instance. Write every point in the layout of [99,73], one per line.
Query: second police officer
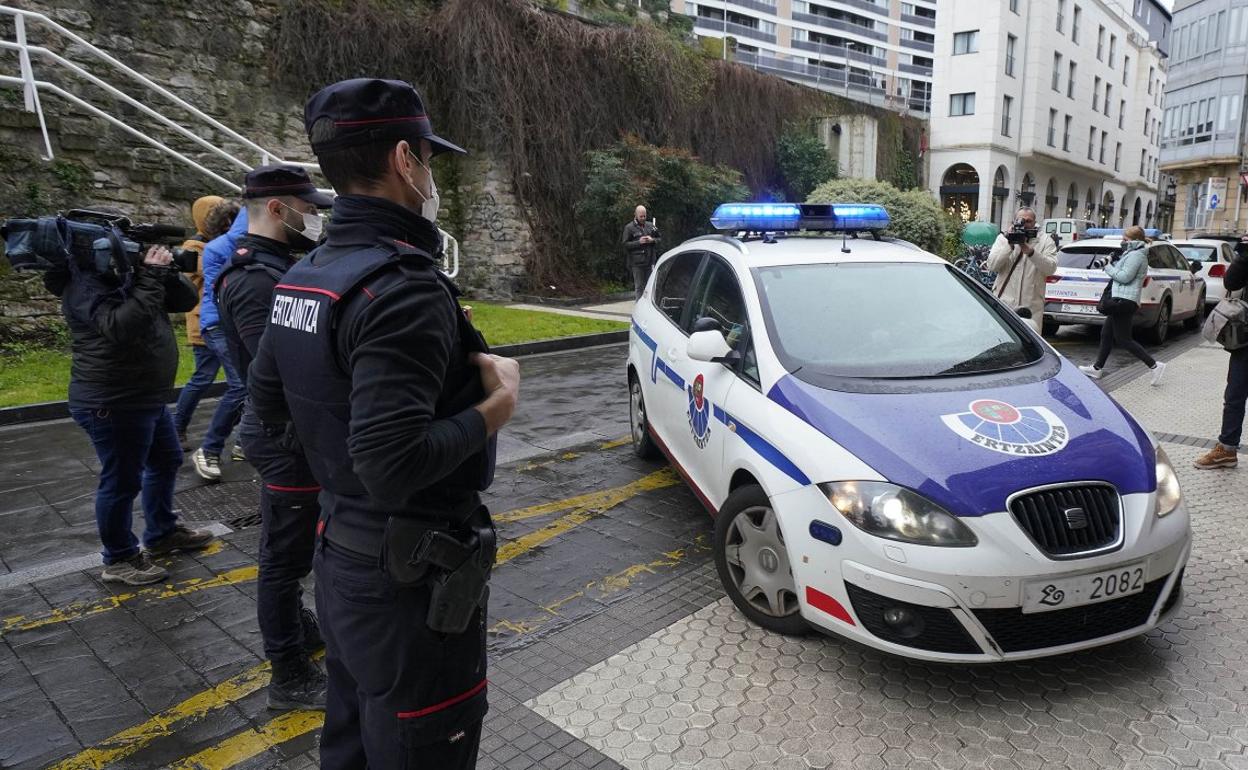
[395,400]
[282,218]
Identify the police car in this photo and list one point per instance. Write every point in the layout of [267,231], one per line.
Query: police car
[1173,291]
[889,453]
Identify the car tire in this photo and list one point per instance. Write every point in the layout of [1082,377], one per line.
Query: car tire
[1049,328]
[644,445]
[753,563]
[1159,331]
[1198,316]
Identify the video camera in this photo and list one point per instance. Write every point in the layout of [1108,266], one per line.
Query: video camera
[92,240]
[1020,233]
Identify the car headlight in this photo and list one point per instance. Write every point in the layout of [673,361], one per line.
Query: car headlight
[889,511]
[1168,493]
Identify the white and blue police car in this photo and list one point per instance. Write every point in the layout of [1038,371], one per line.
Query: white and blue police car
[892,455]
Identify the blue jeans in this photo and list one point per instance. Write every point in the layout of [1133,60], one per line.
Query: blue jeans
[230,407]
[139,452]
[206,367]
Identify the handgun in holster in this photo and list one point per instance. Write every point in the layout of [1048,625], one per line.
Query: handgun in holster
[455,566]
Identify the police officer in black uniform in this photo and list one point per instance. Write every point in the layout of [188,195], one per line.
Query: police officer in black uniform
[282,217]
[395,400]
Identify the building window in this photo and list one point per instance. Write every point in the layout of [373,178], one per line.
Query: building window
[1100,43]
[1007,106]
[1057,72]
[1122,112]
[1104,137]
[1074,24]
[1126,68]
[767,27]
[1052,128]
[966,42]
[1096,94]
[1151,71]
[1014,6]
[1108,90]
[961,104]
[1010,42]
[1117,156]
[1092,145]
[1148,113]
[1061,16]
[1143,158]
[1113,49]
[1066,135]
[1070,82]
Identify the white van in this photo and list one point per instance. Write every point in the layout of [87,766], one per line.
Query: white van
[1067,230]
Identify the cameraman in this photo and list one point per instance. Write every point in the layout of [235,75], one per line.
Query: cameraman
[1022,259]
[124,361]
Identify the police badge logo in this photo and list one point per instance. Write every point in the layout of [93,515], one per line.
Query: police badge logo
[699,412]
[1028,431]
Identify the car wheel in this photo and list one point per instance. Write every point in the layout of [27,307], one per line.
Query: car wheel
[643,443]
[1157,335]
[1049,328]
[1198,316]
[753,562]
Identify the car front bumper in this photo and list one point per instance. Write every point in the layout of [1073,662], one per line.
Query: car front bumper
[970,600]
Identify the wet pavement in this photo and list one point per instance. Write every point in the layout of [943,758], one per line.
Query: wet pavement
[604,572]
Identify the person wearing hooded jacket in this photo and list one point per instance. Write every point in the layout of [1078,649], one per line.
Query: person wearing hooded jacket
[217,254]
[208,214]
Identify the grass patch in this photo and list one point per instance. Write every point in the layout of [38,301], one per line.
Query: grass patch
[34,375]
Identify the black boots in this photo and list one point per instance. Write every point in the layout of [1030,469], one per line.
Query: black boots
[297,683]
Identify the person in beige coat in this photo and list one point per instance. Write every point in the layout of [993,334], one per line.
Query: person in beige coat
[1022,268]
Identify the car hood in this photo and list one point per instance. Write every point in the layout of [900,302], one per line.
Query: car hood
[969,450]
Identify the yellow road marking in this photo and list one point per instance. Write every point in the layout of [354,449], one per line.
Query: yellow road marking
[252,742]
[601,499]
[617,442]
[85,609]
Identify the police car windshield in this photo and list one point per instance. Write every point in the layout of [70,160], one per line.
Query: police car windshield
[887,320]
[1085,257]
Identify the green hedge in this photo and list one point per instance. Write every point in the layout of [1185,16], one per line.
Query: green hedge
[915,214]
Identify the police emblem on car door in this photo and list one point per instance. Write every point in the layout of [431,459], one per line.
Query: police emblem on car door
[699,412]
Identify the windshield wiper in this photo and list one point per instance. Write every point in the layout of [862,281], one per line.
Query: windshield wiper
[975,362]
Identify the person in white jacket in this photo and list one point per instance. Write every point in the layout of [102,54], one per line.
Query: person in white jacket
[1021,268]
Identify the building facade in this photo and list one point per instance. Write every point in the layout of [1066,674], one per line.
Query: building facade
[876,51]
[1203,133]
[1051,103]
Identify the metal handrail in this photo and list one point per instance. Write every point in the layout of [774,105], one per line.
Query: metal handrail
[31,87]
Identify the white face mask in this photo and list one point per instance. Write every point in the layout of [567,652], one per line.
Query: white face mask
[313,224]
[432,201]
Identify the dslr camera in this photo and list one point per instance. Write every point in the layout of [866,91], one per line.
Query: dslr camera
[82,239]
[1020,233]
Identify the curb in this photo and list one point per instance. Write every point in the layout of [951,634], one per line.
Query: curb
[533,299]
[59,410]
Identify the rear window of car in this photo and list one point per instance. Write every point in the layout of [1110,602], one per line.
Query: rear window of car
[1199,253]
[1084,257]
[1067,227]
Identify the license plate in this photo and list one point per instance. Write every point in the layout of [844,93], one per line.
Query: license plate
[1078,309]
[1049,595]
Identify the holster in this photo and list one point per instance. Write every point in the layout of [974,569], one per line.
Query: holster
[456,565]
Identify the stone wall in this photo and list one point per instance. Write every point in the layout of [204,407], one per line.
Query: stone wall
[214,56]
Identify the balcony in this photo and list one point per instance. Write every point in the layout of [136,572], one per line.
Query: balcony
[716,26]
[915,69]
[866,5]
[824,49]
[843,26]
[918,45]
[824,77]
[925,21]
[758,5]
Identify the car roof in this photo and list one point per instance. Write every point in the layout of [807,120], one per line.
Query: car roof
[1209,242]
[1114,243]
[811,250]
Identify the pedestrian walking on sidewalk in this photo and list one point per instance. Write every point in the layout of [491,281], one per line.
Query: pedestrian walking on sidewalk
[1126,274]
[641,244]
[1226,453]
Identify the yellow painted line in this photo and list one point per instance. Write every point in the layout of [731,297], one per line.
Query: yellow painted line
[614,443]
[602,499]
[252,742]
[108,603]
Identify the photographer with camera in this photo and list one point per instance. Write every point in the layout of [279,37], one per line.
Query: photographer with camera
[124,359]
[1022,258]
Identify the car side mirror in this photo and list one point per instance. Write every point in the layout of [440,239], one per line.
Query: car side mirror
[1194,265]
[709,346]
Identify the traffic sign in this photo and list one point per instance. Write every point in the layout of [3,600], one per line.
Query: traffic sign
[1213,201]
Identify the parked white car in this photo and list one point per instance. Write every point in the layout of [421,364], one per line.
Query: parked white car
[1214,258]
[890,453]
[1172,293]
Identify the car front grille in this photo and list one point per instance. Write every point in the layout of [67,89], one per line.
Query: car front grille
[1067,522]
[938,629]
[1015,631]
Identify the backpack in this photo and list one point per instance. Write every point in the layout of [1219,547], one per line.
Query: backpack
[1227,324]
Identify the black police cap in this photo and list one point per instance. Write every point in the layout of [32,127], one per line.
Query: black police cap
[282,179]
[365,110]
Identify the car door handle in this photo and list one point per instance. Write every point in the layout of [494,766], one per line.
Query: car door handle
[672,353]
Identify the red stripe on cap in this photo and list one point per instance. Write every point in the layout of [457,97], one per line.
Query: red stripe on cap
[821,601]
[446,704]
[376,121]
[312,289]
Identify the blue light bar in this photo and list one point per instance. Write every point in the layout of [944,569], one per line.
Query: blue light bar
[1113,232]
[775,217]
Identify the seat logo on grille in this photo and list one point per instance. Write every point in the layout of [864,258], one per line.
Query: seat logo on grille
[1076,518]
[1021,431]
